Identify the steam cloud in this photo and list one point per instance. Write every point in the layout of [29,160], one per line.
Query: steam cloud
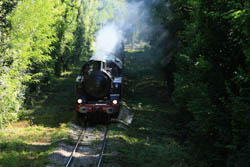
[135,19]
[106,42]
[111,35]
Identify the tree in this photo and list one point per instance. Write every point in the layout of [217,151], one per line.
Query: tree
[212,78]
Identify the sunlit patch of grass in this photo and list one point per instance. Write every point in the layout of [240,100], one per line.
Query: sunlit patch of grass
[124,138]
[28,134]
[22,144]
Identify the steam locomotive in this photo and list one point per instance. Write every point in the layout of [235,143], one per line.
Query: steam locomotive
[99,87]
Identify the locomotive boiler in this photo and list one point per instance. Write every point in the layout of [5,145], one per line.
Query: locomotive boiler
[99,87]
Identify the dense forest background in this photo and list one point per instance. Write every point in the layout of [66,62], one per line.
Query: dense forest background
[211,79]
[202,46]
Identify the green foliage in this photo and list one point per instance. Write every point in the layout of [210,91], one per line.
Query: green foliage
[109,10]
[31,38]
[65,28]
[29,41]
[39,39]
[212,78]
[10,87]
[86,27]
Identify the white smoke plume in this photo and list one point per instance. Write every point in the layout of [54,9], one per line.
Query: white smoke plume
[106,42]
[136,19]
[112,34]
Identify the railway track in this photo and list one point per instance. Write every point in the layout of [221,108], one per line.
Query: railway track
[80,139]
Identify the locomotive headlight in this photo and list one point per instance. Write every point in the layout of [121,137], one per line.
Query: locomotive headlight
[79,101]
[114,101]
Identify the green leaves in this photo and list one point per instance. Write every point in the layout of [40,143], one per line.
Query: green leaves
[38,28]
[107,10]
[32,32]
[212,79]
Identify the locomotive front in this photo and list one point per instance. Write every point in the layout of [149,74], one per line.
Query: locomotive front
[99,88]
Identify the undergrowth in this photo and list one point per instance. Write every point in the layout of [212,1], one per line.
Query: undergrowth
[45,122]
[153,138]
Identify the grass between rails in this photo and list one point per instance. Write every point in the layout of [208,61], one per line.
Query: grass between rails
[153,138]
[28,142]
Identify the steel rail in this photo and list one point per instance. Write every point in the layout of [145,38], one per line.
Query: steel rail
[103,148]
[74,150]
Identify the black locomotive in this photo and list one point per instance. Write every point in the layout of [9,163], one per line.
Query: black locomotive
[99,87]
